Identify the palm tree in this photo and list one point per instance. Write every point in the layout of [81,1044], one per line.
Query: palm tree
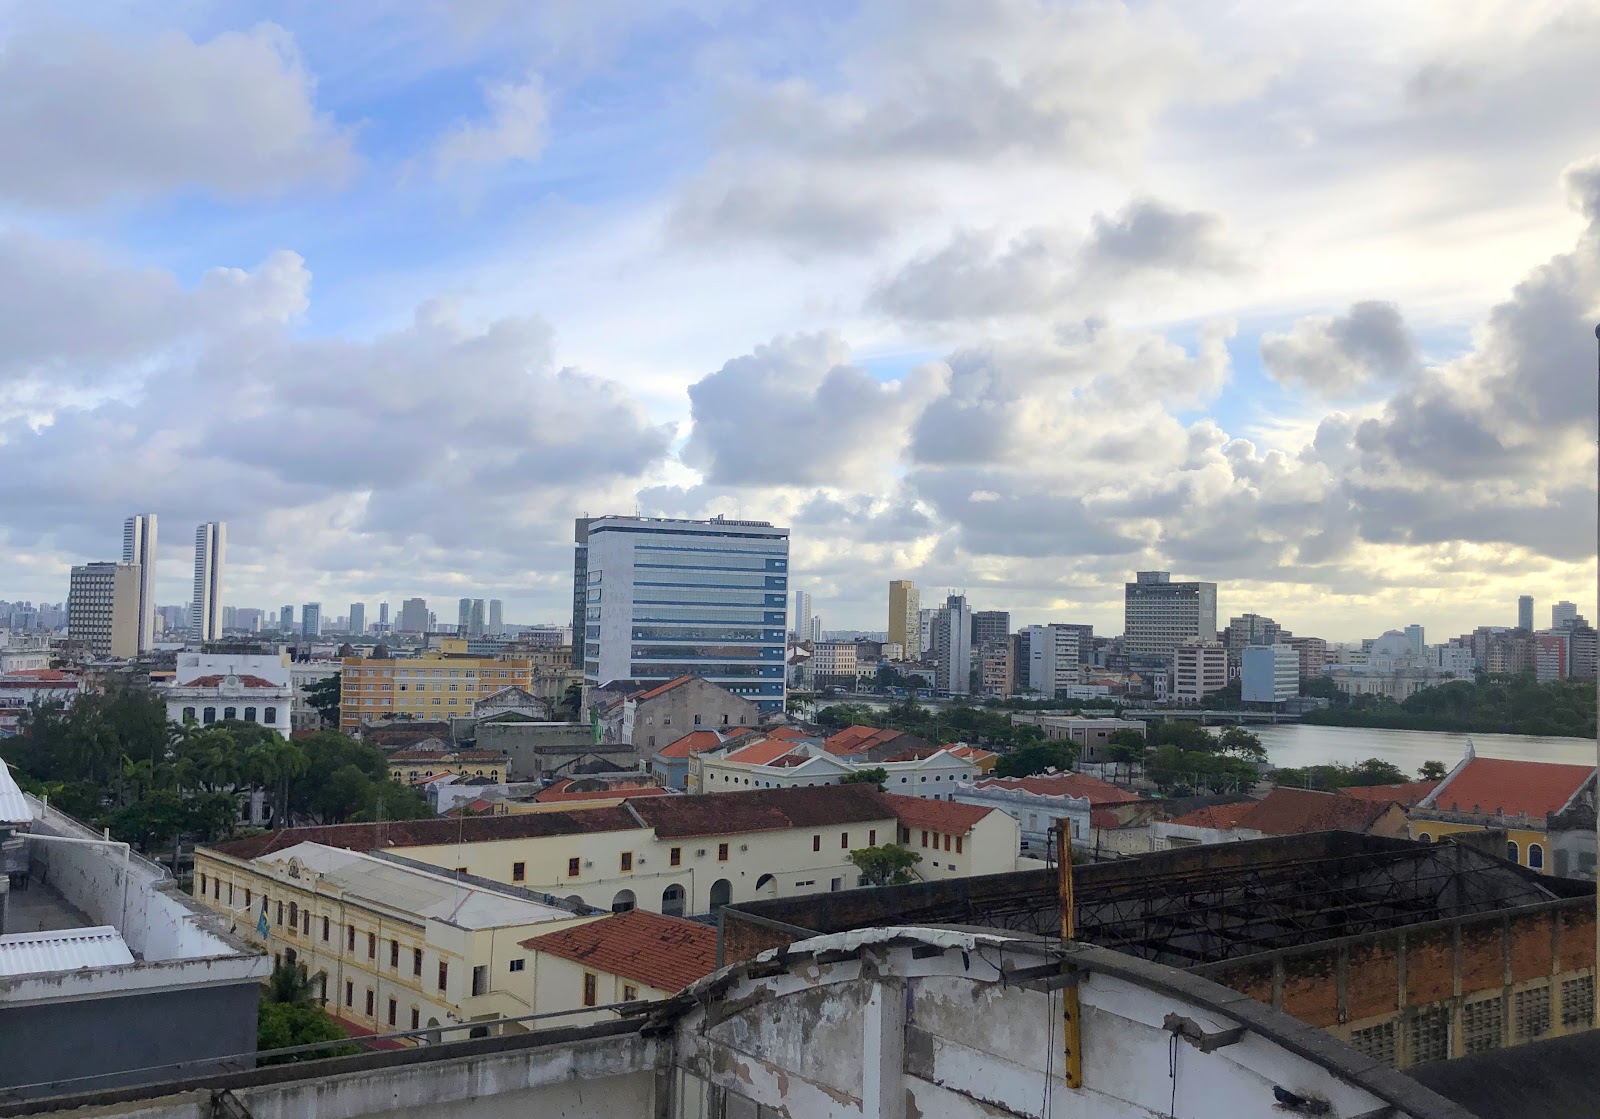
[289,984]
[220,766]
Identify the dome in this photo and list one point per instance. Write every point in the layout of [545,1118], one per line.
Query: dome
[1392,644]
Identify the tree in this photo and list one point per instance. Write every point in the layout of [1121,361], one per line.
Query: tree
[1036,758]
[1432,771]
[877,775]
[1126,745]
[289,984]
[1242,744]
[1376,771]
[843,715]
[323,697]
[1186,734]
[888,864]
[572,699]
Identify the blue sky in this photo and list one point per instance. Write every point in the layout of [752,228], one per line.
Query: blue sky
[1014,295]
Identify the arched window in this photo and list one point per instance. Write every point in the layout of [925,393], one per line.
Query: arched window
[1536,856]
[209,715]
[721,893]
[270,717]
[294,913]
[574,899]
[1511,851]
[230,712]
[672,901]
[249,714]
[767,886]
[1424,837]
[622,902]
[188,714]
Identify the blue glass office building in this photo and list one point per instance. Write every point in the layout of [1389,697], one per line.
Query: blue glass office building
[667,598]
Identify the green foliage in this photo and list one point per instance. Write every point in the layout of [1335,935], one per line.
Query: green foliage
[1186,734]
[891,677]
[1126,745]
[288,984]
[1432,771]
[877,775]
[1373,771]
[1035,758]
[280,1025]
[1490,705]
[888,864]
[958,722]
[1241,744]
[1226,698]
[1179,772]
[323,696]
[841,715]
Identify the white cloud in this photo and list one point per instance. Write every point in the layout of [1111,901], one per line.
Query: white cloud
[87,118]
[514,130]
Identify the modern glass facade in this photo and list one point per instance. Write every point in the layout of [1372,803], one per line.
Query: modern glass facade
[667,598]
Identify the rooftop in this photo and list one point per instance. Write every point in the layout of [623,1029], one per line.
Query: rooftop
[763,810]
[660,689]
[765,751]
[1080,786]
[1509,787]
[1406,794]
[1222,817]
[62,950]
[1286,811]
[406,889]
[667,953]
[938,815]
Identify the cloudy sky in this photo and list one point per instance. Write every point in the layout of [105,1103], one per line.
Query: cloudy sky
[1004,295]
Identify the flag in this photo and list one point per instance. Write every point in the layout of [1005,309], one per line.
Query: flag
[261,924]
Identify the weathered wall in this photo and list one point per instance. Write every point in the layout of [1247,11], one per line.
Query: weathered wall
[1375,990]
[69,1038]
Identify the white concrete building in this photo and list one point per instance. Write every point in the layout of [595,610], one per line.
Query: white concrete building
[834,663]
[23,652]
[1160,615]
[1200,668]
[1053,655]
[252,687]
[1269,673]
[1036,803]
[781,763]
[304,675]
[205,607]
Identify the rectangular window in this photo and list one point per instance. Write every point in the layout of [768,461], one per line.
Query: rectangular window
[416,961]
[675,856]
[202,884]
[630,993]
[393,1010]
[324,928]
[247,898]
[369,1002]
[280,913]
[947,841]
[519,964]
[372,946]
[722,852]
[572,868]
[349,938]
[444,974]
[1577,1002]
[394,953]
[307,924]
[519,872]
[958,844]
[626,861]
[816,842]
[591,989]
[924,839]
[349,992]
[416,1017]
[872,837]
[844,841]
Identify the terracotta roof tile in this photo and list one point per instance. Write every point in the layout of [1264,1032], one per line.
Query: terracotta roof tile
[1514,787]
[766,751]
[246,681]
[1079,785]
[695,742]
[667,953]
[1286,811]
[762,810]
[660,689]
[1219,816]
[793,734]
[427,833]
[1406,794]
[938,815]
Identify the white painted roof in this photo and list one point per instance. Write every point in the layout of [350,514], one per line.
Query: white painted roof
[13,805]
[62,950]
[432,895]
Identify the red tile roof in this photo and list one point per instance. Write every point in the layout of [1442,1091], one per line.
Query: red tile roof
[660,689]
[1287,811]
[558,794]
[1078,785]
[41,674]
[245,680]
[794,734]
[762,810]
[428,833]
[763,752]
[1219,816]
[695,742]
[855,739]
[937,815]
[1514,787]
[1406,794]
[667,953]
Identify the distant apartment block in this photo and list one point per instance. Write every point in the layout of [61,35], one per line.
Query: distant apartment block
[1199,668]
[205,608]
[1160,615]
[905,621]
[103,608]
[1269,673]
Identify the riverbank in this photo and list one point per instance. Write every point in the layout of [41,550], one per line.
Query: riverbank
[1294,745]
[1535,726]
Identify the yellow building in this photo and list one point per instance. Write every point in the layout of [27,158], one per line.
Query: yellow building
[413,767]
[435,685]
[1517,797]
[388,947]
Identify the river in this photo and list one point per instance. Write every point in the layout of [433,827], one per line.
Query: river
[1297,744]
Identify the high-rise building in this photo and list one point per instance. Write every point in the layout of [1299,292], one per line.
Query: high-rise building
[814,630]
[1269,673]
[580,586]
[1054,655]
[801,619]
[463,617]
[1246,630]
[383,617]
[1583,652]
[1159,615]
[1525,612]
[1563,615]
[210,552]
[286,619]
[311,619]
[905,626]
[139,546]
[475,619]
[990,627]
[497,619]
[1313,653]
[357,621]
[1415,635]
[669,598]
[952,645]
[103,608]
[1200,667]
[414,616]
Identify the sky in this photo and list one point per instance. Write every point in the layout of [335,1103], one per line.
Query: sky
[1003,296]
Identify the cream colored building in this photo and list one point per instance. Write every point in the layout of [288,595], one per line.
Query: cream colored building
[431,686]
[103,609]
[776,763]
[415,767]
[905,618]
[388,947]
[678,855]
[626,957]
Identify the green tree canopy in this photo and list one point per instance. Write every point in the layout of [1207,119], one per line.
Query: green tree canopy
[1432,771]
[877,775]
[323,696]
[888,864]
[1036,758]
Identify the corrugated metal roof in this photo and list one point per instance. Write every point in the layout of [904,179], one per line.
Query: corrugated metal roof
[62,950]
[13,806]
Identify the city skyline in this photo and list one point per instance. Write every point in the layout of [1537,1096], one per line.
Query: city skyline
[1245,337]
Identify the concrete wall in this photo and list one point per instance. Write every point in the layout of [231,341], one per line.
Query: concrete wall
[64,1038]
[669,716]
[539,750]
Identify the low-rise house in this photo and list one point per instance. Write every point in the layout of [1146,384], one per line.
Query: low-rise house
[413,767]
[650,717]
[1518,797]
[625,957]
[512,704]
[956,840]
[1089,734]
[22,689]
[671,762]
[1036,803]
[1283,811]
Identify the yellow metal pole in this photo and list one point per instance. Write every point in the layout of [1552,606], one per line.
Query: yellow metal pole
[1071,1017]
